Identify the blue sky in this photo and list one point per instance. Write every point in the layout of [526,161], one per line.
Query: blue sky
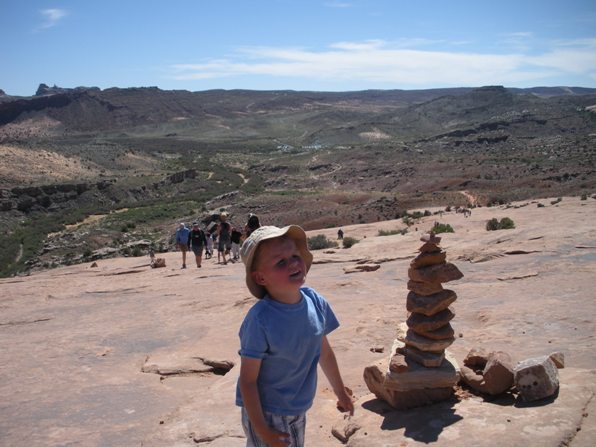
[331,45]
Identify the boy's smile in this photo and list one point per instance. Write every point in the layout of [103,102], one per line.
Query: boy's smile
[280,269]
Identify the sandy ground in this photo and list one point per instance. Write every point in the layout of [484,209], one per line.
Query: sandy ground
[74,340]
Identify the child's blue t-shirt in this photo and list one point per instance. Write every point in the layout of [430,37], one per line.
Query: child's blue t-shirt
[287,338]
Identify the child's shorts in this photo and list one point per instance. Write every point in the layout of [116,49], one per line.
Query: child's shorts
[293,425]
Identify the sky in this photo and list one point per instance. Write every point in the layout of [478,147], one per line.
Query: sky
[322,45]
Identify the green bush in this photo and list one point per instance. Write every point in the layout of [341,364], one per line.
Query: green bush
[442,228]
[504,224]
[390,232]
[319,242]
[492,224]
[349,241]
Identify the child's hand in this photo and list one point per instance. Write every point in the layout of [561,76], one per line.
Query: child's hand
[344,401]
[274,438]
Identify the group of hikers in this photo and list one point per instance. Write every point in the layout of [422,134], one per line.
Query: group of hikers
[219,233]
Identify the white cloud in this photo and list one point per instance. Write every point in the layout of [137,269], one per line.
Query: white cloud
[376,61]
[52,17]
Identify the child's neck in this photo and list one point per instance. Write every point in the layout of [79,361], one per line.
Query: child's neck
[286,298]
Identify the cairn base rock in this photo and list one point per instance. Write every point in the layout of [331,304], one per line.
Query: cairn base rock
[374,377]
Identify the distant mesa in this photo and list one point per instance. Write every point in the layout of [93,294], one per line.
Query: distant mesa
[44,89]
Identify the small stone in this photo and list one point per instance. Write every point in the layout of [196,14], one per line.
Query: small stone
[422,323]
[427,344]
[536,378]
[435,273]
[158,263]
[344,429]
[558,359]
[426,259]
[495,379]
[498,373]
[377,349]
[94,265]
[431,237]
[424,288]
[398,363]
[430,304]
[476,358]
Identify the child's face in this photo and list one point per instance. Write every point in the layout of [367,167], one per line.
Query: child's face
[280,268]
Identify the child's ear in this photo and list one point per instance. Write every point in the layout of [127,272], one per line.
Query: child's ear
[258,278]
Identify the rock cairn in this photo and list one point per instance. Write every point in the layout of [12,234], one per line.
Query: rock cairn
[419,372]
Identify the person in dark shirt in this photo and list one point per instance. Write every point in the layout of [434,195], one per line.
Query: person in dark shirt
[252,224]
[197,242]
[224,243]
[236,235]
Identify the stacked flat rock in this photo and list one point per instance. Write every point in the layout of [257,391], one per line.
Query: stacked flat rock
[419,372]
[430,331]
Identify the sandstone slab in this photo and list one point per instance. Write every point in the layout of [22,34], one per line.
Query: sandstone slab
[424,288]
[435,273]
[438,334]
[425,259]
[430,304]
[375,377]
[422,323]
[427,344]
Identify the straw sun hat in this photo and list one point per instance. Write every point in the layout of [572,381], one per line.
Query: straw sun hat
[250,245]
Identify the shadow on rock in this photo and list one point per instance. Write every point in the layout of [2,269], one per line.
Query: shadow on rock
[423,424]
[520,403]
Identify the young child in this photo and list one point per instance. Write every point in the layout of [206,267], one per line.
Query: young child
[282,339]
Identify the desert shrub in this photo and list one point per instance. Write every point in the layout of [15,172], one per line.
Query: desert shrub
[540,205]
[554,202]
[427,213]
[492,224]
[319,242]
[496,201]
[442,228]
[349,241]
[584,197]
[392,232]
[137,251]
[504,224]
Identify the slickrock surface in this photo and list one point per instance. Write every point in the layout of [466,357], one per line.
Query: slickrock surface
[74,341]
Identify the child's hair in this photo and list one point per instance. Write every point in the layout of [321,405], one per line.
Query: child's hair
[249,251]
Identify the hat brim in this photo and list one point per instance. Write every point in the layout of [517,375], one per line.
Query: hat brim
[261,234]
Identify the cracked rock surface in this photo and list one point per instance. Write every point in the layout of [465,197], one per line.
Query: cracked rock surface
[74,340]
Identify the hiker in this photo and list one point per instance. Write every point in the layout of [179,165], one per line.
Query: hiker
[224,243]
[209,246]
[282,339]
[340,234]
[251,224]
[235,238]
[197,242]
[182,234]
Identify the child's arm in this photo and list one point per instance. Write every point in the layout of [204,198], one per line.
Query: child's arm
[328,363]
[249,372]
